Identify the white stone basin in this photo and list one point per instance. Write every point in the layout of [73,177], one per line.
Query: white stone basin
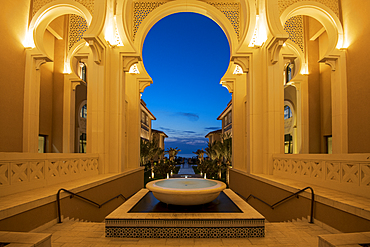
[186,191]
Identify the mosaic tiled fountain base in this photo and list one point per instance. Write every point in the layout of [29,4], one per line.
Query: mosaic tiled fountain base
[143,216]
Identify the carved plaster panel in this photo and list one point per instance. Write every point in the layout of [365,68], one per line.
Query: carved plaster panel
[141,11]
[332,4]
[231,11]
[294,28]
[77,28]
[38,4]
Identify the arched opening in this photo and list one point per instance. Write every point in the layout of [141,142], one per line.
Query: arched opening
[186,55]
[60,38]
[311,38]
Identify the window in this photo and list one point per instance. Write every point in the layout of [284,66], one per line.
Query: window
[287,112]
[83,112]
[288,72]
[288,144]
[42,144]
[329,147]
[82,142]
[83,71]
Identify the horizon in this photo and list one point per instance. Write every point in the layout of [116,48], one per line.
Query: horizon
[186,54]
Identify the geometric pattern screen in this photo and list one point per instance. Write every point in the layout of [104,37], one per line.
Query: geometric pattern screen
[294,27]
[142,9]
[331,4]
[77,28]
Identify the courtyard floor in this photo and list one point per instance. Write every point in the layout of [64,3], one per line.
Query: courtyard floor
[290,234]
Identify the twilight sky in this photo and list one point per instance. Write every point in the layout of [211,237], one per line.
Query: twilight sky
[186,54]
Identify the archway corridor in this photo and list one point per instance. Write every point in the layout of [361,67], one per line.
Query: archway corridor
[186,55]
[77,72]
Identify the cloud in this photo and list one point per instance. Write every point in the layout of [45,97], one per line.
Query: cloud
[212,128]
[171,140]
[168,130]
[191,116]
[196,142]
[189,132]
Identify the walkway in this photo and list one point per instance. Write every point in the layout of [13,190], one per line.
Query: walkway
[82,234]
[186,169]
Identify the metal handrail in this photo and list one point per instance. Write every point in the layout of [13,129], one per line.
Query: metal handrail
[286,199]
[83,198]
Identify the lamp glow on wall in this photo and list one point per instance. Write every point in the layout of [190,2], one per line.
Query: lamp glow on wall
[238,70]
[134,70]
[28,42]
[259,34]
[111,33]
[304,69]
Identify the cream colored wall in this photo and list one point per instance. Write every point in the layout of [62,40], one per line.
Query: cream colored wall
[312,26]
[325,95]
[356,22]
[58,88]
[46,103]
[52,88]
[46,94]
[319,86]
[294,208]
[74,208]
[13,22]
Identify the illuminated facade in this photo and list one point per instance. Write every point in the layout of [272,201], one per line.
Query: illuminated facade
[58,56]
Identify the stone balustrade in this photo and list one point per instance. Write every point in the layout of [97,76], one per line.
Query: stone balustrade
[25,171]
[348,173]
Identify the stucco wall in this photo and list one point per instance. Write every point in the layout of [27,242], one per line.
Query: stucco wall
[294,208]
[75,208]
[46,94]
[312,27]
[13,23]
[355,23]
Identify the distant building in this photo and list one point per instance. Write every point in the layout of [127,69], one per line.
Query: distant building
[214,136]
[226,117]
[146,122]
[160,136]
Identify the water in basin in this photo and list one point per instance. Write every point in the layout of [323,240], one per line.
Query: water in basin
[185,183]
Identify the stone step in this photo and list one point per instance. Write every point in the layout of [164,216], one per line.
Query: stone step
[25,239]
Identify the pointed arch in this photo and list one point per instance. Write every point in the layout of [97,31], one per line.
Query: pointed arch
[188,6]
[47,14]
[324,15]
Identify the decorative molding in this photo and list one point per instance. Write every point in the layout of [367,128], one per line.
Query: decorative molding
[128,61]
[274,48]
[229,85]
[97,48]
[184,232]
[143,84]
[39,62]
[331,61]
[74,84]
[289,58]
[243,62]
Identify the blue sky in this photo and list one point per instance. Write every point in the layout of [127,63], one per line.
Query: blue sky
[186,55]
